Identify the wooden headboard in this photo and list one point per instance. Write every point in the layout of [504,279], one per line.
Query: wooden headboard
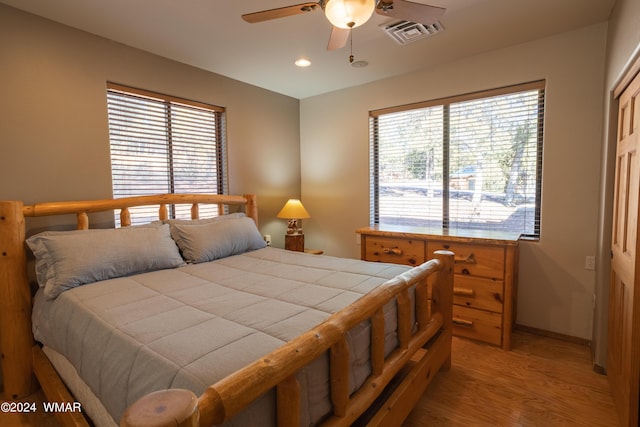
[16,338]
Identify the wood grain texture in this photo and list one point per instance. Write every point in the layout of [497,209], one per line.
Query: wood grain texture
[15,304]
[178,405]
[52,386]
[429,233]
[542,381]
[89,206]
[623,334]
[485,272]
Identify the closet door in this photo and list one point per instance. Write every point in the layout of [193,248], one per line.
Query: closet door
[623,355]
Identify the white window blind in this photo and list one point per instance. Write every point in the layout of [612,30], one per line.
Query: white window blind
[162,144]
[466,162]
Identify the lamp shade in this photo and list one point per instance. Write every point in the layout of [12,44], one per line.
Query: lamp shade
[293,209]
[349,13]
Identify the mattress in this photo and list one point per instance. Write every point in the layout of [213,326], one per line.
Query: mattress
[188,327]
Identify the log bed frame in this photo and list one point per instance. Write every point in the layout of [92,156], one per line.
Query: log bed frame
[411,366]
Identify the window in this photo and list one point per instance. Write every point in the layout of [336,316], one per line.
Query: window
[466,162]
[162,144]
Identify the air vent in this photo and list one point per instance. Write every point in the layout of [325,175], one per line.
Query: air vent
[404,32]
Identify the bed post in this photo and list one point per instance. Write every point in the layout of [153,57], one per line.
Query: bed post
[251,208]
[443,298]
[172,407]
[16,338]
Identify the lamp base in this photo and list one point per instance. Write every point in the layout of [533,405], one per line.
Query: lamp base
[294,242]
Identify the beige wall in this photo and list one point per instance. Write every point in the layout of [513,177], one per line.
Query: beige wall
[555,291]
[54,141]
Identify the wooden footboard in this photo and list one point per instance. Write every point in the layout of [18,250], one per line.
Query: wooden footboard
[424,342]
[421,353]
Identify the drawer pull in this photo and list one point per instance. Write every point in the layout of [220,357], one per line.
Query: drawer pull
[463,292]
[392,251]
[471,259]
[463,322]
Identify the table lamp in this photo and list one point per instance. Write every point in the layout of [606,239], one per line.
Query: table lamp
[293,211]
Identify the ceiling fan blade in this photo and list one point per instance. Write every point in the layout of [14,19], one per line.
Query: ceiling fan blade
[280,12]
[338,38]
[410,11]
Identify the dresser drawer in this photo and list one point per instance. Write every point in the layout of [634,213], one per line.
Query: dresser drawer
[477,324]
[476,292]
[474,260]
[485,278]
[398,251]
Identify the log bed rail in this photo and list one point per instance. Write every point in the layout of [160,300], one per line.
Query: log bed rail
[83,208]
[424,347]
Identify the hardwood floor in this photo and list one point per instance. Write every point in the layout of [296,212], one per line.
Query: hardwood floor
[34,419]
[541,382]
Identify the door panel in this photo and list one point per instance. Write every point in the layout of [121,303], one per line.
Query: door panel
[623,349]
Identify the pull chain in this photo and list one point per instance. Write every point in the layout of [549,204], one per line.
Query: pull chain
[351,43]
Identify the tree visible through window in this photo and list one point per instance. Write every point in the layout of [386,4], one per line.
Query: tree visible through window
[162,144]
[468,162]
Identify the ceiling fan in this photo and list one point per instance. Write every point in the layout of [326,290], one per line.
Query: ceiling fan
[347,14]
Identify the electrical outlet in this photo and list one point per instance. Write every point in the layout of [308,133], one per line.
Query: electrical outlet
[267,239]
[590,262]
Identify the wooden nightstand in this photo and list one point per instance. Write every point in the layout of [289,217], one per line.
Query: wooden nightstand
[294,242]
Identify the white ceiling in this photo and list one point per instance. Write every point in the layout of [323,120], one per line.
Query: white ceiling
[210,34]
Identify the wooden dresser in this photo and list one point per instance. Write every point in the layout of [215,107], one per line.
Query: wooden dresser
[485,279]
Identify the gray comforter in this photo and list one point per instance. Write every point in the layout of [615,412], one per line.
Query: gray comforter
[191,326]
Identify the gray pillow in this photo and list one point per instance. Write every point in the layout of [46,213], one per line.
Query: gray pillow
[218,239]
[68,259]
[200,221]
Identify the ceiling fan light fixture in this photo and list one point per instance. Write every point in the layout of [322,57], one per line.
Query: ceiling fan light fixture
[302,62]
[349,13]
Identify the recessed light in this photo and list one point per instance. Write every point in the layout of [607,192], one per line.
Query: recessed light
[303,62]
